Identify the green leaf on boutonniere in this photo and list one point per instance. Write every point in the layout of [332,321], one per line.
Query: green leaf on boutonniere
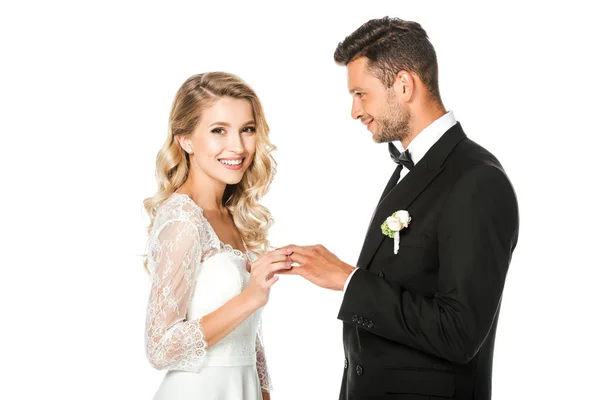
[385,229]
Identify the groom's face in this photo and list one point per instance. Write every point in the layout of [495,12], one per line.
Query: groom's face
[376,105]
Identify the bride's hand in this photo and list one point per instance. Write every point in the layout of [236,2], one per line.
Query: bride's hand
[262,274]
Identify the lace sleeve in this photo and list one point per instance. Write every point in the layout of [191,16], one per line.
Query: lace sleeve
[261,362]
[171,340]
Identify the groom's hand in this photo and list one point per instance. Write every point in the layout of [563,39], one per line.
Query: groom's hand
[318,265]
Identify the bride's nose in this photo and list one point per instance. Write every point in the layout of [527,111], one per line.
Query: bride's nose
[235,144]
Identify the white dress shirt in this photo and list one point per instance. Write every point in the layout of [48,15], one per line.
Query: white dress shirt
[420,145]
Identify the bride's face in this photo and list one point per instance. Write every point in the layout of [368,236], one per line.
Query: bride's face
[223,143]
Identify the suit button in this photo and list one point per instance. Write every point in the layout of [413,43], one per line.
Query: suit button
[370,325]
[354,318]
[381,274]
[359,370]
[345,363]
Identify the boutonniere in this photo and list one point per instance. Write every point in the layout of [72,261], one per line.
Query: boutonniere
[394,224]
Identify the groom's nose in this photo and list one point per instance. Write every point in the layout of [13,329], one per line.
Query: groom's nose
[357,111]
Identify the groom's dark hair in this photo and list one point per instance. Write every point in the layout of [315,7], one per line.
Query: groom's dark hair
[392,45]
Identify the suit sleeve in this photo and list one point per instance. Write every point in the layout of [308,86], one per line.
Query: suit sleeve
[477,232]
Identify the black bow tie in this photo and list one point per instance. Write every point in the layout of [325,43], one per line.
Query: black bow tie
[401,158]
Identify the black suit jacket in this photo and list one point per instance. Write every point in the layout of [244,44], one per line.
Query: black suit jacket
[420,324]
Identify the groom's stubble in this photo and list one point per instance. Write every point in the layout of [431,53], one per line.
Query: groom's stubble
[394,122]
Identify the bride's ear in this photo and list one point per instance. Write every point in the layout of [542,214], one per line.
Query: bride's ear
[185,142]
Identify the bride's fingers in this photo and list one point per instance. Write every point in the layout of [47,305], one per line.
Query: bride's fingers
[271,281]
[271,257]
[267,271]
[293,271]
[266,268]
[282,265]
[277,257]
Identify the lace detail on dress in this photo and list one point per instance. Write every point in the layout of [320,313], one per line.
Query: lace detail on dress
[210,236]
[229,248]
[261,362]
[194,273]
[174,251]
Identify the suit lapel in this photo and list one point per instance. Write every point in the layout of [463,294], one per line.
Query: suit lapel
[390,185]
[399,198]
[408,189]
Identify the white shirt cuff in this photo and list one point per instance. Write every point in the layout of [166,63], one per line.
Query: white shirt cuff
[348,280]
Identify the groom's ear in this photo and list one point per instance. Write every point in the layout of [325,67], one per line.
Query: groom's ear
[404,85]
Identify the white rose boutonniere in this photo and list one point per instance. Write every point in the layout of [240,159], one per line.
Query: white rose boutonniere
[394,224]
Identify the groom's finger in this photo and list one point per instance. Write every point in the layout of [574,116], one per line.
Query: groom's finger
[322,250]
[297,249]
[298,258]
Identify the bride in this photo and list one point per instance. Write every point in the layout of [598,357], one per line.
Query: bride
[206,231]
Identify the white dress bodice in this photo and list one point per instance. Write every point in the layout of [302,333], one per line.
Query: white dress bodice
[222,277]
[193,274]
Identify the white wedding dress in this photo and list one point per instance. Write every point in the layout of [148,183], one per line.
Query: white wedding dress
[193,274]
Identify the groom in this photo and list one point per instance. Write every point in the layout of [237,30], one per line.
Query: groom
[421,307]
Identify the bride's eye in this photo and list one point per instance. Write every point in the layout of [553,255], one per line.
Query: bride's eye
[249,130]
[218,131]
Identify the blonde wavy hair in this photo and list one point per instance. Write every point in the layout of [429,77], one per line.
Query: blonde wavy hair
[198,93]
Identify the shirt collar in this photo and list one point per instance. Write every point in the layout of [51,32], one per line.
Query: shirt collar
[425,139]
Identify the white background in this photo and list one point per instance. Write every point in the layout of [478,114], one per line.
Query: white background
[85,91]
